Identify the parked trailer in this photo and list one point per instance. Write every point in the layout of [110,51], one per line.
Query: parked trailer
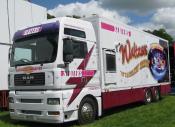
[14,15]
[172,62]
[4,99]
[4,48]
[69,69]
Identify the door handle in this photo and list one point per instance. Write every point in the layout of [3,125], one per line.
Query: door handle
[83,79]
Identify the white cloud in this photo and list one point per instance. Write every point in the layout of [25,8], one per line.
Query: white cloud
[163,11]
[87,9]
[163,18]
[139,6]
[149,26]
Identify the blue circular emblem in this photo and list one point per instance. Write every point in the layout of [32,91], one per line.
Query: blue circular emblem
[158,63]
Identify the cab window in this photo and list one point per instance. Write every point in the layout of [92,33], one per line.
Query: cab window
[74,32]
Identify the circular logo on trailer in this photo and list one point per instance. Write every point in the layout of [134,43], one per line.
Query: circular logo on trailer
[158,61]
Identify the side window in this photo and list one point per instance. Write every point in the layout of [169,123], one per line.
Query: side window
[79,49]
[74,32]
[110,63]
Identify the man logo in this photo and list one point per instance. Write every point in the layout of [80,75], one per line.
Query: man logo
[28,78]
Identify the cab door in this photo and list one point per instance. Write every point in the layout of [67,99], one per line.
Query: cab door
[77,65]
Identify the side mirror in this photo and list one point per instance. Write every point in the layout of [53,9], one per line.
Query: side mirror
[67,50]
[9,54]
[68,58]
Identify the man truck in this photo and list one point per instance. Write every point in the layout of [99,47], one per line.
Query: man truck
[67,69]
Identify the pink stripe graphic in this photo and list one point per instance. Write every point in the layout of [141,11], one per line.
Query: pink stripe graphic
[107,26]
[78,80]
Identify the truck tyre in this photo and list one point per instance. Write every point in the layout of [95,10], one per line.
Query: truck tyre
[148,96]
[156,94]
[87,111]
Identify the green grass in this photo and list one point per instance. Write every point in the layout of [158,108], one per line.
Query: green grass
[160,114]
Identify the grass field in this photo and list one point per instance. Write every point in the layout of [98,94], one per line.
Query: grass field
[160,114]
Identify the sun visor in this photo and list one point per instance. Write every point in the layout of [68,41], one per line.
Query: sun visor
[37,30]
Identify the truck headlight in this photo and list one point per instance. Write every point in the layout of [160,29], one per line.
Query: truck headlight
[53,101]
[11,100]
[49,78]
[8,79]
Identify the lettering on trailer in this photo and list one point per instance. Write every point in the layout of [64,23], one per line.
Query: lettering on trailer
[156,60]
[117,29]
[132,52]
[123,31]
[129,52]
[137,68]
[78,73]
[32,30]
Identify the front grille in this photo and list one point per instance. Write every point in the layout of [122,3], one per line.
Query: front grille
[31,112]
[31,101]
[29,79]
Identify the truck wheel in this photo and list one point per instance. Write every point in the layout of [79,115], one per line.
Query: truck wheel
[156,94]
[87,111]
[148,96]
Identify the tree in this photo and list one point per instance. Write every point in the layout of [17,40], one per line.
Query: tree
[74,16]
[161,33]
[49,16]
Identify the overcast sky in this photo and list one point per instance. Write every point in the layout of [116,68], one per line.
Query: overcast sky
[143,14]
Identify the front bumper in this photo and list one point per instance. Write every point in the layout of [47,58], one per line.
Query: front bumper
[36,111]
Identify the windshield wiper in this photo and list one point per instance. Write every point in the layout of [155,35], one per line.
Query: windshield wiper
[23,61]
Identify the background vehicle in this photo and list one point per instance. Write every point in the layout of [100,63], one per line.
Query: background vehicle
[14,14]
[172,63]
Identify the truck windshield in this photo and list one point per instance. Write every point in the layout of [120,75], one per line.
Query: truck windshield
[35,50]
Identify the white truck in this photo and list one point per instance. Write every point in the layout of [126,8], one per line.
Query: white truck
[69,69]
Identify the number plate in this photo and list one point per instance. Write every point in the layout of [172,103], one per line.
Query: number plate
[30,117]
